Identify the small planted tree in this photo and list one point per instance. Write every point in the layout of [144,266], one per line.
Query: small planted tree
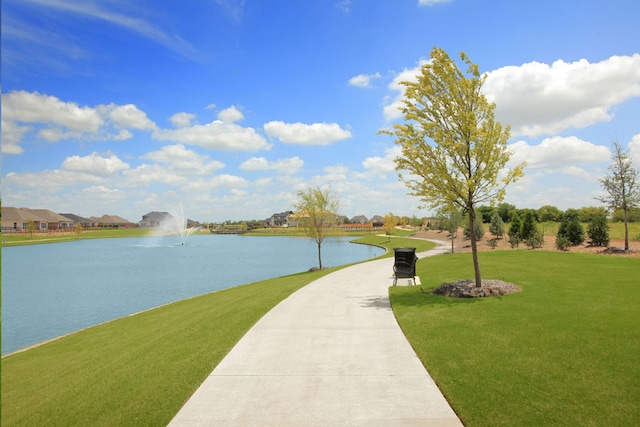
[31,227]
[622,186]
[570,229]
[496,227]
[529,226]
[390,222]
[452,222]
[78,230]
[514,230]
[318,213]
[598,231]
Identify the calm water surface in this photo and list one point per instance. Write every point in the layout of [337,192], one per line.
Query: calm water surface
[51,290]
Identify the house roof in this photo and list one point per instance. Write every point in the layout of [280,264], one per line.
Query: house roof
[75,218]
[109,219]
[359,218]
[156,216]
[50,216]
[26,214]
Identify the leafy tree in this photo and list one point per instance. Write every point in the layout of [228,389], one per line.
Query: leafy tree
[497,225]
[452,222]
[78,230]
[598,231]
[529,227]
[570,228]
[622,186]
[549,213]
[453,149]
[318,212]
[486,212]
[390,222]
[31,227]
[587,214]
[633,215]
[506,210]
[515,229]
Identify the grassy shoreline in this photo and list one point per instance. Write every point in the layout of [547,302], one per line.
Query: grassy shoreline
[146,365]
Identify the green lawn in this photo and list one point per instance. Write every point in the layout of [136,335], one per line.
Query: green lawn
[137,370]
[564,351]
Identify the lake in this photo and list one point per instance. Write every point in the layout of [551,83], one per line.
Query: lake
[53,289]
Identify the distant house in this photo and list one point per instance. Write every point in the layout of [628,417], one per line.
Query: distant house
[359,219]
[158,219]
[17,219]
[278,219]
[155,219]
[377,221]
[111,221]
[84,222]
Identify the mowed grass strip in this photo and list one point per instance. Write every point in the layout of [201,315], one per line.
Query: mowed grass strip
[396,241]
[138,370]
[562,352]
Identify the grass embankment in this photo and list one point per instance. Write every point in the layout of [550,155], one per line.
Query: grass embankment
[14,239]
[137,370]
[564,351]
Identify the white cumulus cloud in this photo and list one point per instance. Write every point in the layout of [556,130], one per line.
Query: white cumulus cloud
[33,107]
[363,80]
[383,165]
[557,153]
[284,166]
[391,109]
[94,164]
[182,161]
[127,117]
[541,99]
[306,134]
[182,120]
[230,115]
[217,135]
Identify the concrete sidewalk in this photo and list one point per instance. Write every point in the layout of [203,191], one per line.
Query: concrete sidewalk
[332,354]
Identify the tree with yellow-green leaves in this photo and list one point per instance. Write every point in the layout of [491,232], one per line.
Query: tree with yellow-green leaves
[390,222]
[454,152]
[317,212]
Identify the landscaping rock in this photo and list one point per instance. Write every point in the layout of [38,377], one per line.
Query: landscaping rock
[468,289]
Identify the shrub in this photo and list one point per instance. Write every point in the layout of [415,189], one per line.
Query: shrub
[497,225]
[536,240]
[570,228]
[514,241]
[516,227]
[598,231]
[562,243]
[479,229]
[528,228]
[492,243]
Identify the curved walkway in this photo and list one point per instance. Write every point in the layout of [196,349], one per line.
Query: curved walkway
[332,354]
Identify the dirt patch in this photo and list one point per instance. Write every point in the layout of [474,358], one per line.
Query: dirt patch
[468,289]
[460,244]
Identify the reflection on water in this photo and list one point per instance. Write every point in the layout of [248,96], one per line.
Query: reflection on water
[51,290]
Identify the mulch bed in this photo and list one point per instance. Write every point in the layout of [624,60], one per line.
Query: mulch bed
[468,289]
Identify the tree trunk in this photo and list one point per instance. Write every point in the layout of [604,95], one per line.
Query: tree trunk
[626,231]
[319,256]
[474,248]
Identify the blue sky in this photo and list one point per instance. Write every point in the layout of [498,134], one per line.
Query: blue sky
[229,107]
